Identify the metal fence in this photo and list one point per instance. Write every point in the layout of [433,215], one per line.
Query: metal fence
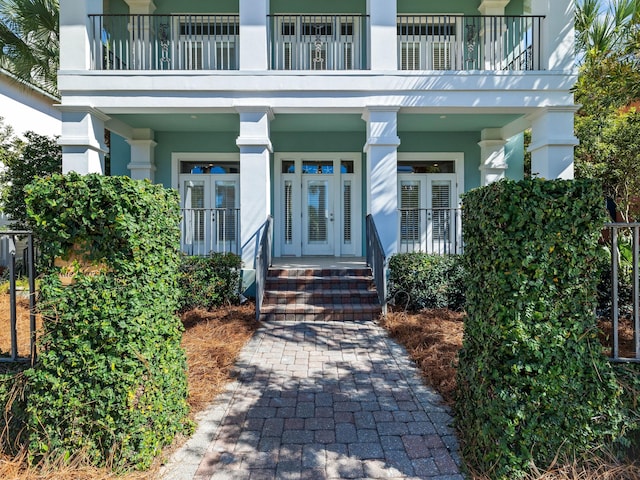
[623,242]
[21,265]
[263,262]
[377,261]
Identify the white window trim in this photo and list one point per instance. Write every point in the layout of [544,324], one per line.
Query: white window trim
[457,157]
[177,157]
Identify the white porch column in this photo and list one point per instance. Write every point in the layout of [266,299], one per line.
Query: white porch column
[254,30]
[383,36]
[558,33]
[552,143]
[75,44]
[143,165]
[382,173]
[255,183]
[82,140]
[493,163]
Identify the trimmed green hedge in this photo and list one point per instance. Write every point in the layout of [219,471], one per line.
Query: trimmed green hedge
[110,380]
[421,280]
[209,282]
[532,380]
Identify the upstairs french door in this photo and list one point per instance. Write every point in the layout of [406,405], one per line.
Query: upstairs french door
[428,213]
[318,207]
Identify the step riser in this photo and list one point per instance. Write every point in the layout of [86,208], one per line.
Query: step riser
[320,295]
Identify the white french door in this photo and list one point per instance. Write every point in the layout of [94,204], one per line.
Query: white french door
[210,214]
[318,205]
[428,215]
[318,215]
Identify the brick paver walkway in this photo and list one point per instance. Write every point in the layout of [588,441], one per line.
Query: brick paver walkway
[316,400]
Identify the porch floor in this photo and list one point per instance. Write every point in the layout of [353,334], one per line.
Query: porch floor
[338,263]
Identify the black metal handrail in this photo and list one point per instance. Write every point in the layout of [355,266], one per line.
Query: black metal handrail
[377,261]
[431,230]
[164,42]
[11,240]
[318,42]
[263,262]
[210,230]
[469,42]
[632,233]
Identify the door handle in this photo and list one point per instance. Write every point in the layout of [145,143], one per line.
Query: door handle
[331,217]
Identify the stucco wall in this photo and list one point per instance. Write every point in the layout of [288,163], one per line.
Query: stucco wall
[25,109]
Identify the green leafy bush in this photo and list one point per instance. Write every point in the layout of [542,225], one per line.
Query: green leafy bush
[110,380]
[208,282]
[532,380]
[421,280]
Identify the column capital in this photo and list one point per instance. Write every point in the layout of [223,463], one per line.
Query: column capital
[493,7]
[141,7]
[261,109]
[254,127]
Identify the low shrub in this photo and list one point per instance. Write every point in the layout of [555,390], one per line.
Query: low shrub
[110,380]
[420,280]
[209,282]
[533,383]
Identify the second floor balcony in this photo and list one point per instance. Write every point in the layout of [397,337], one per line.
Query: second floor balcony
[315,42]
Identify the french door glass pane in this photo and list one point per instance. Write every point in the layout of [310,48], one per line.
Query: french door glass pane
[316,211]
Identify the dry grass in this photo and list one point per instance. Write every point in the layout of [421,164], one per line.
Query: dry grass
[625,336]
[433,339]
[212,341]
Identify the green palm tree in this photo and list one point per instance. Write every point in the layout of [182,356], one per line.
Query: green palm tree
[29,41]
[603,29]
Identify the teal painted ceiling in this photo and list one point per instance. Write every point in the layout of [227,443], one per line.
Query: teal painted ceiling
[314,122]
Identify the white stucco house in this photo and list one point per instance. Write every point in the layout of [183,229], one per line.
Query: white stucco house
[28,108]
[318,113]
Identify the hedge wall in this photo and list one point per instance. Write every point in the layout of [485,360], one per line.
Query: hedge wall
[110,380]
[532,380]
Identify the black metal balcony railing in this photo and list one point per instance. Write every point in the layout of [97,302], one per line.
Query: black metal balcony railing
[207,230]
[315,42]
[469,42]
[431,230]
[164,42]
[318,42]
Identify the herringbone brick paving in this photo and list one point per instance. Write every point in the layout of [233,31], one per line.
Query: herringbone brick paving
[322,400]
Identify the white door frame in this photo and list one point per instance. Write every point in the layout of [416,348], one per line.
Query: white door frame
[343,184]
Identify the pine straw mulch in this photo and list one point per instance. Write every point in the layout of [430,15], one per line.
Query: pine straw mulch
[434,337]
[212,342]
[22,325]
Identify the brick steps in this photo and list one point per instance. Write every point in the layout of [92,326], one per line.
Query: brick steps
[320,295]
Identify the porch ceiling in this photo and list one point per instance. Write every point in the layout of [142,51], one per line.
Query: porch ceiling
[229,122]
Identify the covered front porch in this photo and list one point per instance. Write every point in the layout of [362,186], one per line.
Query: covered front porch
[319,172]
